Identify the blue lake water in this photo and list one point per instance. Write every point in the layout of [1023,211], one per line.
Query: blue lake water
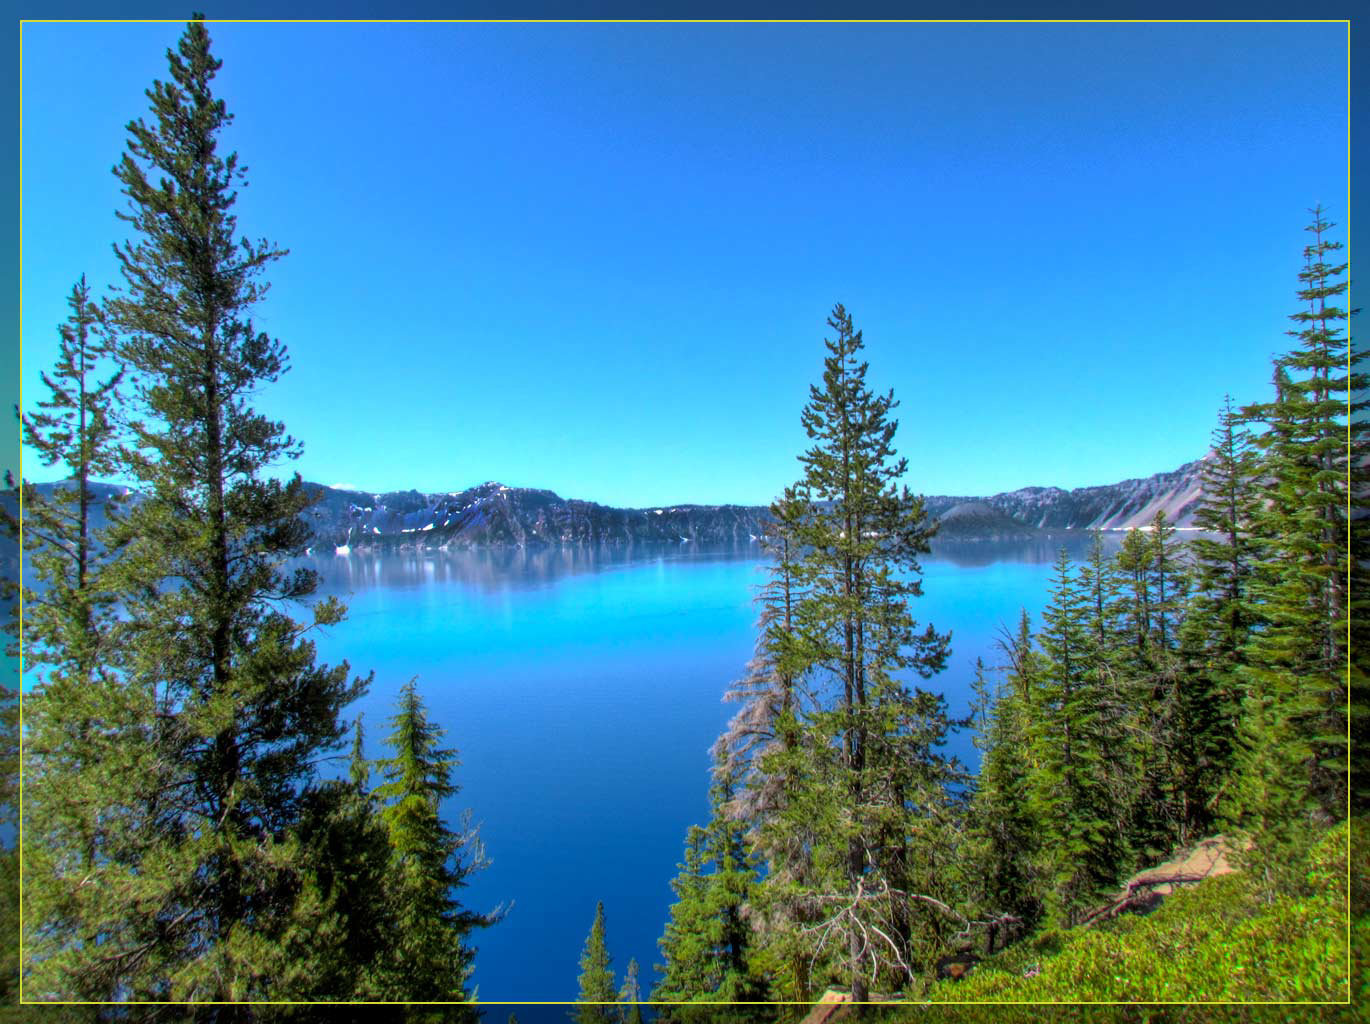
[582,689]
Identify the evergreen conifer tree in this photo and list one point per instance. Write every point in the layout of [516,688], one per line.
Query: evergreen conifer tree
[1107,666]
[1221,613]
[1148,566]
[1295,666]
[686,946]
[222,713]
[731,885]
[1133,564]
[630,996]
[1222,561]
[429,956]
[1079,844]
[344,925]
[869,765]
[595,1003]
[765,751]
[1172,779]
[707,942]
[1002,831]
[358,768]
[1167,580]
[74,427]
[75,713]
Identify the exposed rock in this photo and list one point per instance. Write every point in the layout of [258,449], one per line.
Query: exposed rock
[1117,506]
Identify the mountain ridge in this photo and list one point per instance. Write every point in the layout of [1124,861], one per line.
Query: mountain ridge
[493,514]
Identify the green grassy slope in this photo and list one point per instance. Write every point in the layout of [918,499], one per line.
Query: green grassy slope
[1212,943]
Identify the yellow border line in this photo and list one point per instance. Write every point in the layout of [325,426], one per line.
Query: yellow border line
[683,21]
[19,682]
[1350,467]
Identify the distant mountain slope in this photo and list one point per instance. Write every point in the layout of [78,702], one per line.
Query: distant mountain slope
[492,514]
[495,514]
[1117,506]
[980,520]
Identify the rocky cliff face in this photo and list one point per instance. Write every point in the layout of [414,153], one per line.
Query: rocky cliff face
[1117,506]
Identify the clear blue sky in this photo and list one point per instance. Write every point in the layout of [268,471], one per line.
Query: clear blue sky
[598,258]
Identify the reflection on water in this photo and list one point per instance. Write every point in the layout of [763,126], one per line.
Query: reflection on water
[1039,550]
[514,568]
[504,568]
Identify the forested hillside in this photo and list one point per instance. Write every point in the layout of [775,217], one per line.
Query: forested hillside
[1169,692]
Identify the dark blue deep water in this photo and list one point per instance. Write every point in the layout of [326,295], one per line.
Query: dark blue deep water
[582,689]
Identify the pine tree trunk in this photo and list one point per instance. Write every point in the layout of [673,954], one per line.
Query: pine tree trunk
[859,992]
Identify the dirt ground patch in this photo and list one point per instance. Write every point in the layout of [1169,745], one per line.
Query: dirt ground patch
[1208,858]
[1145,891]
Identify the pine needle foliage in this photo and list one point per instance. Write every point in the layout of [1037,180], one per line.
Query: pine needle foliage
[210,738]
[428,958]
[74,427]
[597,995]
[75,714]
[707,943]
[1296,668]
[859,810]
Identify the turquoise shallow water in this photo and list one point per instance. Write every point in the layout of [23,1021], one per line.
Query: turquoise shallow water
[582,689]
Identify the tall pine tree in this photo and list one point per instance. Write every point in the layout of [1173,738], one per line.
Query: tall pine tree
[225,713]
[1296,667]
[1078,846]
[1001,830]
[766,752]
[73,427]
[873,783]
[1106,665]
[1221,613]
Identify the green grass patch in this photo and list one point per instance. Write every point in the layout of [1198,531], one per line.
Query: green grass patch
[1213,942]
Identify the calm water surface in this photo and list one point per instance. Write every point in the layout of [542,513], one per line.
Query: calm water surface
[582,690]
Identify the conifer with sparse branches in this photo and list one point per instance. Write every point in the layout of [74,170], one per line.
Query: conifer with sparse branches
[83,755]
[863,759]
[74,427]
